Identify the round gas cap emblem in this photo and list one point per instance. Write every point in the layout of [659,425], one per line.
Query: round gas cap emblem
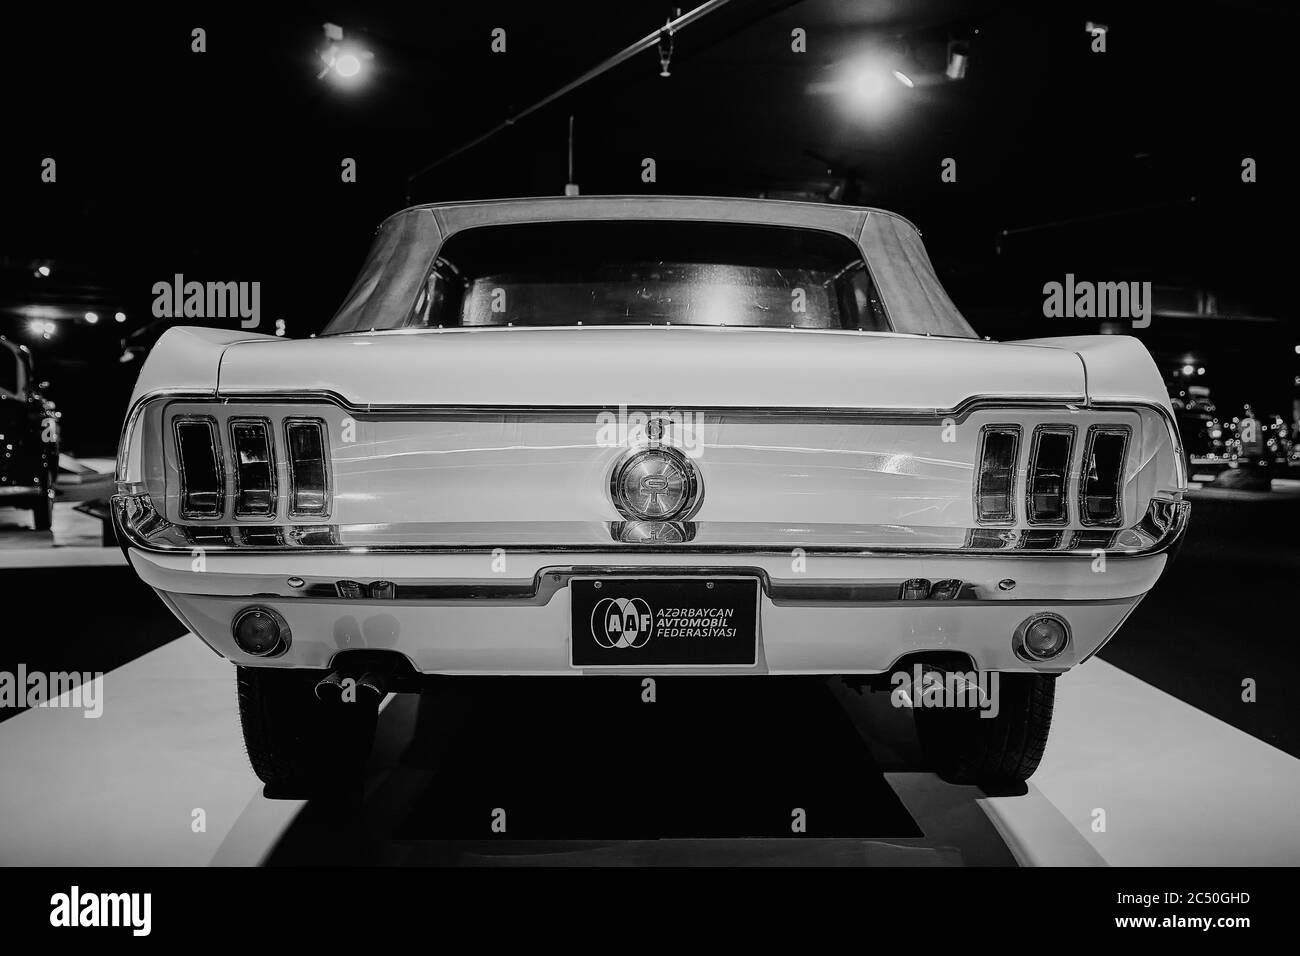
[655,484]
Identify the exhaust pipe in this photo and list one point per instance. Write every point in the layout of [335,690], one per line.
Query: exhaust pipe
[330,689]
[374,685]
[347,684]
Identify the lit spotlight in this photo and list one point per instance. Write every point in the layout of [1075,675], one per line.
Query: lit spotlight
[92,317]
[1200,370]
[904,79]
[347,65]
[1189,369]
[871,90]
[344,62]
[42,327]
[43,271]
[119,317]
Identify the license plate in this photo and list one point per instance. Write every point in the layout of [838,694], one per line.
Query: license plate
[664,621]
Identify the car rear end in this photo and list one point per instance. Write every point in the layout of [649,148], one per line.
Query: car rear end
[650,438]
[848,536]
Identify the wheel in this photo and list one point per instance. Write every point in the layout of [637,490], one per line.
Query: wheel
[964,747]
[298,745]
[43,507]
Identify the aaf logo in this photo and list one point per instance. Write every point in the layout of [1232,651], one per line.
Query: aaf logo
[621,622]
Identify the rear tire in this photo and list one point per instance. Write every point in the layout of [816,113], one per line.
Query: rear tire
[1000,751]
[299,746]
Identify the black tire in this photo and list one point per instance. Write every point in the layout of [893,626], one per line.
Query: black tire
[963,747]
[43,508]
[298,745]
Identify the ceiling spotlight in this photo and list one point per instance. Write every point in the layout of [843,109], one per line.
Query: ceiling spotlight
[665,46]
[1189,369]
[344,61]
[1200,370]
[958,58]
[904,79]
[43,271]
[42,327]
[347,65]
[92,318]
[119,317]
[870,90]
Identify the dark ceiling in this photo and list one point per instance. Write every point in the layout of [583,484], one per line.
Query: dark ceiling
[1122,165]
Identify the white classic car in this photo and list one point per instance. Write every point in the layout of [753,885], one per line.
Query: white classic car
[646,436]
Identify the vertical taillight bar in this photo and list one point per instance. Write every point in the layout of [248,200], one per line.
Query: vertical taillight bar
[995,473]
[1101,482]
[198,461]
[1049,474]
[254,459]
[308,468]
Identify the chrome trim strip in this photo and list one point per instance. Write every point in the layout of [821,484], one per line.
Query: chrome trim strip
[958,412]
[547,582]
[582,412]
[142,527]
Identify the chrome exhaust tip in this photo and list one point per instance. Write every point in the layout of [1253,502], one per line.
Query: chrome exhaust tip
[330,689]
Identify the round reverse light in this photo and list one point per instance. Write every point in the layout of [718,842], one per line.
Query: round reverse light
[1042,637]
[655,484]
[260,631]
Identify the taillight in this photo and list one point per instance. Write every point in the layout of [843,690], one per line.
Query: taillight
[995,479]
[1101,484]
[1049,473]
[250,441]
[198,459]
[308,477]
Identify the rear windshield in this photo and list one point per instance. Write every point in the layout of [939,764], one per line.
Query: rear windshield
[646,273]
